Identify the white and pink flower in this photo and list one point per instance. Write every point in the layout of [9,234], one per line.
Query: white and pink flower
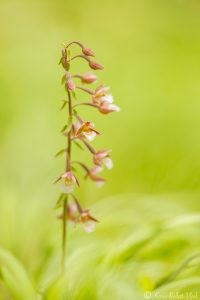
[86,130]
[104,101]
[69,182]
[76,214]
[92,174]
[103,158]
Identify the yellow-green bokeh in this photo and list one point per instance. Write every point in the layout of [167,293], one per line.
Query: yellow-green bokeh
[150,50]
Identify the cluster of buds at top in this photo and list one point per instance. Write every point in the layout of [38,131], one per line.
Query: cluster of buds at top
[79,131]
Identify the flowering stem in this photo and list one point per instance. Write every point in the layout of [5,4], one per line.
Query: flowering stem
[68,169]
[64,232]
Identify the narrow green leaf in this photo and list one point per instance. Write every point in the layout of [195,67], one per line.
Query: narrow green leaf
[68,54]
[63,79]
[60,61]
[59,153]
[74,95]
[60,201]
[75,112]
[64,104]
[15,277]
[78,145]
[73,169]
[64,128]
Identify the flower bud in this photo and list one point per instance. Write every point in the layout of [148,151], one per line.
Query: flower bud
[88,78]
[70,85]
[87,52]
[95,66]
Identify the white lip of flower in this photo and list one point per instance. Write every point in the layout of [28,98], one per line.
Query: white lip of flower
[107,161]
[107,98]
[89,226]
[114,107]
[68,189]
[90,136]
[69,183]
[109,107]
[100,183]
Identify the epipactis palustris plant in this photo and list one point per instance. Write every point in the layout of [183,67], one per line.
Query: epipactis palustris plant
[79,131]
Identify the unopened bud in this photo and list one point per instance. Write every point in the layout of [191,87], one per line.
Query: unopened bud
[70,85]
[95,66]
[88,52]
[88,78]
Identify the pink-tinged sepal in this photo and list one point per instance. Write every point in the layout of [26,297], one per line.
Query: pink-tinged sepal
[94,65]
[103,158]
[88,52]
[92,174]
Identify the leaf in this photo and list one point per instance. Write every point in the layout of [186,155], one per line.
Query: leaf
[74,95]
[15,277]
[60,61]
[63,79]
[59,153]
[64,128]
[64,104]
[78,145]
[68,54]
[73,169]
[60,201]
[75,112]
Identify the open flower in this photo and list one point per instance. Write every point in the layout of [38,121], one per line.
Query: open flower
[69,182]
[99,93]
[104,101]
[76,214]
[92,174]
[103,158]
[88,221]
[86,130]
[106,107]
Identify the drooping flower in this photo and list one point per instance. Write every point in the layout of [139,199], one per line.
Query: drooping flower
[103,158]
[104,101]
[88,221]
[76,214]
[99,93]
[69,182]
[106,107]
[86,130]
[92,174]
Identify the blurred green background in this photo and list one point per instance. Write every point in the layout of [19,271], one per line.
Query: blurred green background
[150,50]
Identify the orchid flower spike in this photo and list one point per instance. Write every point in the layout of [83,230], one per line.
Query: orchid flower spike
[81,133]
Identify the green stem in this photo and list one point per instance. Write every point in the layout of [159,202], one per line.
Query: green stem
[64,232]
[68,169]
